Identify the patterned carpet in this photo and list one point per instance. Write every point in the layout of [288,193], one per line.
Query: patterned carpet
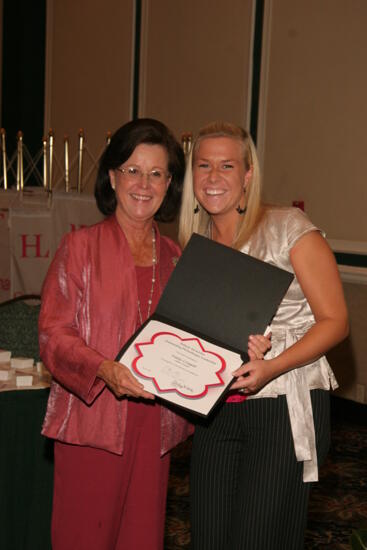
[338,502]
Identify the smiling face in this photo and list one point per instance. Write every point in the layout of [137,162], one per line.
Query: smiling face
[220,176]
[139,197]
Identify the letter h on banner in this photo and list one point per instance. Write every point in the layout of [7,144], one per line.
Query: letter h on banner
[35,246]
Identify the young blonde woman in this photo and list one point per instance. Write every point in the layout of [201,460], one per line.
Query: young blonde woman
[254,460]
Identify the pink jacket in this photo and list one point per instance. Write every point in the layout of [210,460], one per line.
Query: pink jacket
[88,312]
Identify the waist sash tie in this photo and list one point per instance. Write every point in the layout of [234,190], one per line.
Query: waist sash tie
[301,419]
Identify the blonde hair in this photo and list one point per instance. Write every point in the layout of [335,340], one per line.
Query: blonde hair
[190,222]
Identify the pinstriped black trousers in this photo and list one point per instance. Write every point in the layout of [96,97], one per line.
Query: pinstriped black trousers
[246,486]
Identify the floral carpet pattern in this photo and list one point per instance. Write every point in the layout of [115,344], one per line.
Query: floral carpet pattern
[338,503]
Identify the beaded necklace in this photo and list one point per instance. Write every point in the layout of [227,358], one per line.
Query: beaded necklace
[154,262]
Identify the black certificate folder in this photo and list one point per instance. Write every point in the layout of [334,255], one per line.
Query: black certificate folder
[216,297]
[222,294]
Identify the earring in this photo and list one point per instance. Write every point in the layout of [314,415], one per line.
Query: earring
[196,209]
[241,210]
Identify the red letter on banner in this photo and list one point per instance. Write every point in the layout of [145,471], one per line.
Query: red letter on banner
[36,245]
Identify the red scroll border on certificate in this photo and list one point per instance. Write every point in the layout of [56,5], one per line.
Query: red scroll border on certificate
[135,368]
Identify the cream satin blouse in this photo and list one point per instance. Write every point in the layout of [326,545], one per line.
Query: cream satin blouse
[272,241]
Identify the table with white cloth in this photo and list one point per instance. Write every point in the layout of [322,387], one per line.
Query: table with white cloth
[26,457]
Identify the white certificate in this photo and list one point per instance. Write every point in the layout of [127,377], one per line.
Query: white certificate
[180,367]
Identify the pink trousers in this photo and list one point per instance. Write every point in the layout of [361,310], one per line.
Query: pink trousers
[104,501]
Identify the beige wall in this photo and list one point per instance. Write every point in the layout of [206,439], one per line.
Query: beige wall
[312,140]
[195,66]
[89,68]
[349,359]
[314,114]
[196,61]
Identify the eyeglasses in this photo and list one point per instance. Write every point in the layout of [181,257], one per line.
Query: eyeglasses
[134,173]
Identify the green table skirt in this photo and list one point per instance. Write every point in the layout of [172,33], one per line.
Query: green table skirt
[26,472]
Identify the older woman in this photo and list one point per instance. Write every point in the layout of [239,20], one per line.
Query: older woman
[254,459]
[112,439]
